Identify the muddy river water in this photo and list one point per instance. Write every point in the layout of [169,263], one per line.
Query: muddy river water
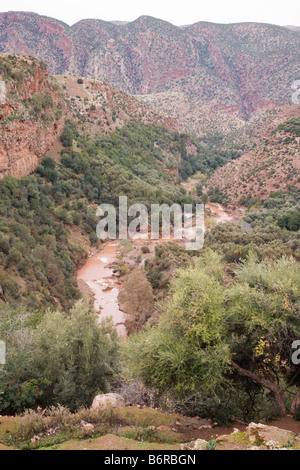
[98,275]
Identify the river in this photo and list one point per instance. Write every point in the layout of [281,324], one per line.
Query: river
[98,275]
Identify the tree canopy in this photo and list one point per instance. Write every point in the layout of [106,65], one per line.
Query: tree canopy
[213,332]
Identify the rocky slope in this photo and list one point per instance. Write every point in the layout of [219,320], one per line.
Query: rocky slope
[254,437]
[30,114]
[270,167]
[34,107]
[215,128]
[199,119]
[98,108]
[236,69]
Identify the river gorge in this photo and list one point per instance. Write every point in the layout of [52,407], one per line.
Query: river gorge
[99,276]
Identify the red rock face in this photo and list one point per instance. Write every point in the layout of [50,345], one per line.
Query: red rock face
[20,156]
[25,139]
[238,69]
[30,130]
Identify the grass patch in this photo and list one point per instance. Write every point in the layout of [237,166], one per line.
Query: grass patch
[147,417]
[47,429]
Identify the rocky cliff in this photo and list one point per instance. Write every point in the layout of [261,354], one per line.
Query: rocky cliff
[31,116]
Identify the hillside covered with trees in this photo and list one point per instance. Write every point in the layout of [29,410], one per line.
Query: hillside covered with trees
[209,333]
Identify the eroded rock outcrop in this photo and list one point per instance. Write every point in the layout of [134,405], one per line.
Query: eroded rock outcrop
[31,117]
[254,437]
[270,436]
[2,92]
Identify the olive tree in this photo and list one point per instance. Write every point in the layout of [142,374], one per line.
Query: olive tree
[214,331]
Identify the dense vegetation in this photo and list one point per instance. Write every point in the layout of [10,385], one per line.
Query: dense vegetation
[281,208]
[292,126]
[59,358]
[229,320]
[41,213]
[217,344]
[265,230]
[150,151]
[30,233]
[201,348]
[48,216]
[219,334]
[211,331]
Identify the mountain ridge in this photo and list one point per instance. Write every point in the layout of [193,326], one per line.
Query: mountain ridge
[233,68]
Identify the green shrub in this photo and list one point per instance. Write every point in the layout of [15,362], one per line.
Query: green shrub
[67,359]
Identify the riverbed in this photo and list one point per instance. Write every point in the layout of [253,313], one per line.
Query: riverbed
[98,272]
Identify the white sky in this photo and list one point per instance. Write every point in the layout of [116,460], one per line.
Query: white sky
[181,12]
